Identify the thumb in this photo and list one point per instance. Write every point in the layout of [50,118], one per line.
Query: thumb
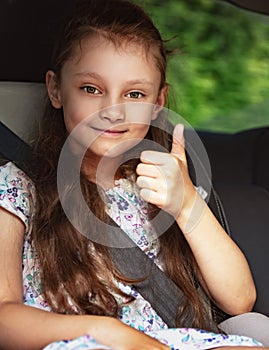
[178,145]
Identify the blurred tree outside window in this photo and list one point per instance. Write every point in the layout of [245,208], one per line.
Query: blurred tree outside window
[219,78]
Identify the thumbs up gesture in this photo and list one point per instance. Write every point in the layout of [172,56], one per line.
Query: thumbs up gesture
[163,178]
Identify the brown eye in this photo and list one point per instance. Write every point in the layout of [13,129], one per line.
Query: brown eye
[91,90]
[135,94]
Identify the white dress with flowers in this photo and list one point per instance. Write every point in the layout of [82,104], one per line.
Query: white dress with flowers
[129,211]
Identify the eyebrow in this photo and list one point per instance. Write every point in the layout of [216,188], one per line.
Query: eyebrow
[139,81]
[99,77]
[88,74]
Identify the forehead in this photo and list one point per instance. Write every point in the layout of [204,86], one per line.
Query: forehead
[121,45]
[112,63]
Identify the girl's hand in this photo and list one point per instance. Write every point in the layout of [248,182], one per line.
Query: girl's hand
[164,178]
[119,336]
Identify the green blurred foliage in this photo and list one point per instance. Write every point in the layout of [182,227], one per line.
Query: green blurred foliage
[220,76]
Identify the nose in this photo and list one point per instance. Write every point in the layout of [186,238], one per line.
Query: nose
[113,113]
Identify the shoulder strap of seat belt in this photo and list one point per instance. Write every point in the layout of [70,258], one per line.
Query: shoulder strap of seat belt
[13,148]
[155,286]
[162,293]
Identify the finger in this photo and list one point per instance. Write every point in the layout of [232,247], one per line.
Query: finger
[145,182]
[152,197]
[178,145]
[154,157]
[149,170]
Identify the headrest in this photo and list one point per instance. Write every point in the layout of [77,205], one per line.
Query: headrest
[21,105]
[240,158]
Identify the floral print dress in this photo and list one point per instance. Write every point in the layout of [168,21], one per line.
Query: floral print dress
[129,211]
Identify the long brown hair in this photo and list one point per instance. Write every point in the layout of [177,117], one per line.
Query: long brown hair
[72,267]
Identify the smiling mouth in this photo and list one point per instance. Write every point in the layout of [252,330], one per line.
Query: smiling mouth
[110,131]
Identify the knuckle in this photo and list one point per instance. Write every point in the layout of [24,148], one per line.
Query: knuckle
[141,181]
[144,155]
[139,168]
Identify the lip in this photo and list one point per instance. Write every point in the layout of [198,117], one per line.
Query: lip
[110,131]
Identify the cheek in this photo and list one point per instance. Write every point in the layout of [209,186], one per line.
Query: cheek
[70,119]
[73,115]
[140,113]
[73,110]
[141,130]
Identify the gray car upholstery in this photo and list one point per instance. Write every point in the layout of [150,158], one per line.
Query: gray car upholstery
[240,175]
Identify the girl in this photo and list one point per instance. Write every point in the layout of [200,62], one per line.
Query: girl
[109,53]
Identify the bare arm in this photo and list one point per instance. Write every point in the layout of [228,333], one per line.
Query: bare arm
[165,182]
[223,266]
[24,327]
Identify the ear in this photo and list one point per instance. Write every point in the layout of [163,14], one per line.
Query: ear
[53,89]
[160,101]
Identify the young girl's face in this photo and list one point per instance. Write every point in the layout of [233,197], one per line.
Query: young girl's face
[95,83]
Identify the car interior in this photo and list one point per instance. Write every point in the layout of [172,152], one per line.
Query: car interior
[239,160]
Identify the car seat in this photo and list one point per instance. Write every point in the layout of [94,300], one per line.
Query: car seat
[240,175]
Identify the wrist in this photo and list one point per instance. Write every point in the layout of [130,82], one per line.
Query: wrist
[98,325]
[94,325]
[191,213]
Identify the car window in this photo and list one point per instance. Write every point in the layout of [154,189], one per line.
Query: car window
[220,75]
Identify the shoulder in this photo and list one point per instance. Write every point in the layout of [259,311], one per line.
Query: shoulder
[16,192]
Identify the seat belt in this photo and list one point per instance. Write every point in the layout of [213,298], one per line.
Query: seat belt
[156,287]
[14,148]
